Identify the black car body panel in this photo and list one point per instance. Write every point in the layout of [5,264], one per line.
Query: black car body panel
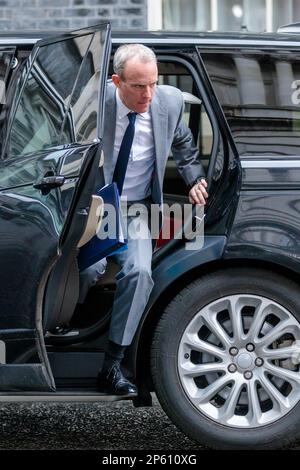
[41,192]
[183,260]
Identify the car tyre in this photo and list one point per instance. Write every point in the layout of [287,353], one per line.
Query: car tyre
[175,391]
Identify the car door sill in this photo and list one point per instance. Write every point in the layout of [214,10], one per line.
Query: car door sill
[62,395]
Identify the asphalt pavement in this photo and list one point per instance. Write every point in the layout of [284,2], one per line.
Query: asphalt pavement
[89,426]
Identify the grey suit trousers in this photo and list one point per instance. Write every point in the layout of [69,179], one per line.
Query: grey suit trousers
[133,282]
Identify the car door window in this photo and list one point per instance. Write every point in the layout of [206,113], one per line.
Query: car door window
[50,111]
[259,94]
[84,100]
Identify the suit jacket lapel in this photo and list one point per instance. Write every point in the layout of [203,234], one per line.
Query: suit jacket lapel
[109,133]
[159,116]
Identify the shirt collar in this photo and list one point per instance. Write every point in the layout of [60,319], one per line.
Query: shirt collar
[122,109]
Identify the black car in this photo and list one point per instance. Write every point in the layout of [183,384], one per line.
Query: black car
[219,339]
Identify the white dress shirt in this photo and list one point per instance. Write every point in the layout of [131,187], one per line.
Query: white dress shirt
[138,177]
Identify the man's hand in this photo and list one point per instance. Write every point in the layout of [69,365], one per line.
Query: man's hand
[198,194]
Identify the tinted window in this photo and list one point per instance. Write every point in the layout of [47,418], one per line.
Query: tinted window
[84,101]
[260,98]
[59,102]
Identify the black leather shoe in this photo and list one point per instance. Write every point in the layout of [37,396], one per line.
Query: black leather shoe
[112,381]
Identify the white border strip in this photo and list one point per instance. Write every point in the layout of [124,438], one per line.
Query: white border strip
[198,42]
[154,14]
[169,40]
[270,163]
[13,41]
[214,14]
[269,16]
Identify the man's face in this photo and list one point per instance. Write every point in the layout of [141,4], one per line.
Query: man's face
[137,85]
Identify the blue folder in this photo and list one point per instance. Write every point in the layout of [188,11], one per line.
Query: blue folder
[98,247]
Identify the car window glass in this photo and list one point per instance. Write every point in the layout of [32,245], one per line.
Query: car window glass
[196,117]
[45,98]
[55,105]
[260,95]
[84,101]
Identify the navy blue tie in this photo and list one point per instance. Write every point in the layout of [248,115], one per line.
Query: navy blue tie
[124,152]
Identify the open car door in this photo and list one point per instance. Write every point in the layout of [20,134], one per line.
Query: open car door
[51,153]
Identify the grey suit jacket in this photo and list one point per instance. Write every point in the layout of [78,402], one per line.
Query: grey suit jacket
[169,132]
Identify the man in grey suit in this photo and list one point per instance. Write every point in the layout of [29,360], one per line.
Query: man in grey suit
[143,122]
